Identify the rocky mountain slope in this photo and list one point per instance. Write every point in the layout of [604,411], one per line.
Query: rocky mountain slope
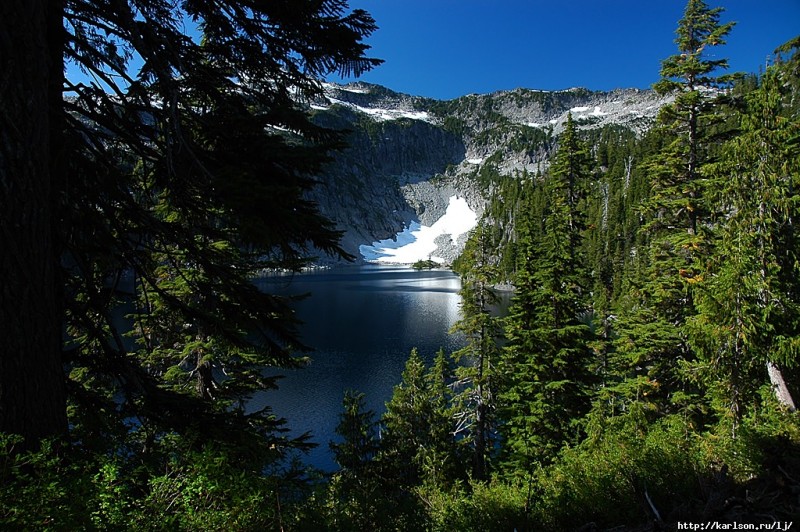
[409,155]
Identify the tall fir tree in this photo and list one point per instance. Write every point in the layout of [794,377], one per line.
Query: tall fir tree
[651,348]
[358,431]
[691,76]
[404,425]
[476,372]
[351,501]
[748,319]
[418,429]
[544,371]
[442,461]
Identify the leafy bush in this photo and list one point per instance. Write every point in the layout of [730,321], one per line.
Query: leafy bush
[624,476]
[495,506]
[64,487]
[39,489]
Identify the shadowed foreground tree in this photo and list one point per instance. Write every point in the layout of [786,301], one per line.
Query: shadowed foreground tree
[157,192]
[32,397]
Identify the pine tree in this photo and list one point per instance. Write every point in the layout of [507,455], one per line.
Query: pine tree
[545,379]
[442,458]
[418,429]
[476,374]
[747,318]
[358,431]
[405,425]
[355,497]
[689,75]
[651,347]
[180,174]
[611,228]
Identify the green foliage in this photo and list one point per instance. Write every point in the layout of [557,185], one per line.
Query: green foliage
[742,322]
[545,366]
[174,486]
[477,507]
[348,501]
[679,183]
[442,461]
[608,480]
[627,471]
[677,234]
[476,373]
[357,428]
[377,485]
[690,68]
[367,505]
[207,490]
[37,489]
[418,429]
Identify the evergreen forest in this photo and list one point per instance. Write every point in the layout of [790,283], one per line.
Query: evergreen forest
[643,378]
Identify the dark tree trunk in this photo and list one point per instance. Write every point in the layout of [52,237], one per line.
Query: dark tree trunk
[479,471]
[32,392]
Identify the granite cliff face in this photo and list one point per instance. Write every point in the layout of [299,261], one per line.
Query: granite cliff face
[409,155]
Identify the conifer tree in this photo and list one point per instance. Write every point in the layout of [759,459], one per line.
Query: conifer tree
[404,425]
[178,174]
[442,458]
[418,434]
[417,441]
[747,317]
[476,373]
[359,436]
[690,76]
[651,346]
[545,378]
[353,500]
[610,231]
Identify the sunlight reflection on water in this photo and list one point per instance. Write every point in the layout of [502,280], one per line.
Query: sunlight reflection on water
[362,322]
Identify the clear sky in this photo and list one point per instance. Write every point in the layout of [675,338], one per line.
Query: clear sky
[448,48]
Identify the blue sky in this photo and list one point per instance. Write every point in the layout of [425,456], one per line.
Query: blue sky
[448,48]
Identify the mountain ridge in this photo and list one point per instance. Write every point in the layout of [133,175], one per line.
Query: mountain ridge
[408,155]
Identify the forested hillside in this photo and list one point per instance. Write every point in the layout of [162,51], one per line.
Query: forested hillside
[644,375]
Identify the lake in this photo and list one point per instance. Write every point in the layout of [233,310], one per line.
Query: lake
[362,322]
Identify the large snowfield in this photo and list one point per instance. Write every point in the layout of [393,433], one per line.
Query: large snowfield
[416,242]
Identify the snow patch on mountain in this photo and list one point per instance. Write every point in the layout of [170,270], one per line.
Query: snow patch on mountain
[419,242]
[377,113]
[394,114]
[376,102]
[420,153]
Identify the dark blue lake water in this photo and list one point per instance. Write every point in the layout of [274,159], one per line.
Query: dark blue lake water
[362,322]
